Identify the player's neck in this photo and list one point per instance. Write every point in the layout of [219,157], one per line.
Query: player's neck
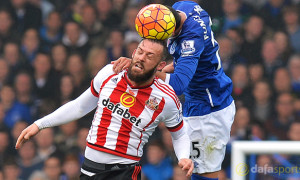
[183,18]
[144,84]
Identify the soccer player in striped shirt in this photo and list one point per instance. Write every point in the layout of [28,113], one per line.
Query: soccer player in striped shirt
[129,106]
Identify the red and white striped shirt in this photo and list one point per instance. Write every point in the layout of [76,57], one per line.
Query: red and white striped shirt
[126,116]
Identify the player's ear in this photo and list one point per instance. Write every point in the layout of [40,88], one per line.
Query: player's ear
[133,53]
[161,65]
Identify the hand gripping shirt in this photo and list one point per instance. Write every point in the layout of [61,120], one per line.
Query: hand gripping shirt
[198,70]
[126,115]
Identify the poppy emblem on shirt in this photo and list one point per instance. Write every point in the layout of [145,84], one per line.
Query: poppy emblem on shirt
[152,104]
[127,99]
[173,47]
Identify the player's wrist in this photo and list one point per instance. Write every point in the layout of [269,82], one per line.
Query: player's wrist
[39,124]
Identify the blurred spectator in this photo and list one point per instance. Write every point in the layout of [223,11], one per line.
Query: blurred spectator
[271,12]
[75,39]
[59,57]
[61,6]
[294,70]
[279,124]
[106,15]
[44,5]
[159,166]
[76,68]
[1,174]
[11,170]
[7,32]
[92,26]
[235,34]
[240,80]
[12,54]
[292,25]
[14,110]
[45,144]
[53,168]
[66,136]
[270,57]
[45,107]
[96,60]
[262,106]
[119,7]
[51,32]
[25,15]
[28,160]
[130,34]
[296,106]
[282,82]
[293,177]
[4,70]
[2,115]
[264,161]
[257,4]
[30,44]
[67,88]
[17,129]
[212,7]
[5,149]
[81,142]
[131,46]
[46,82]
[227,52]
[14,59]
[253,34]
[297,2]
[38,175]
[294,131]
[258,131]
[71,167]
[76,10]
[283,46]
[231,18]
[293,134]
[23,85]
[256,73]
[241,123]
[116,47]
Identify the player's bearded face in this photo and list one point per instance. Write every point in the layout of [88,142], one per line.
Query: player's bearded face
[137,75]
[145,61]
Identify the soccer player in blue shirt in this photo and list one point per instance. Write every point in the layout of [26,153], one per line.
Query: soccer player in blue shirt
[197,73]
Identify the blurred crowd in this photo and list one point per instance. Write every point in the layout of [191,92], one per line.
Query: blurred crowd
[50,50]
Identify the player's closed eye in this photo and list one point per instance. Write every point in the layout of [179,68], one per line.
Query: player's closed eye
[150,56]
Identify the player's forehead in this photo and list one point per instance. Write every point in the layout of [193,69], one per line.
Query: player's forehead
[151,47]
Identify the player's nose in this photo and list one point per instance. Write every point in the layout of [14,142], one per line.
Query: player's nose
[142,57]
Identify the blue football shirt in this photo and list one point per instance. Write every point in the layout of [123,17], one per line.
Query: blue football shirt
[198,69]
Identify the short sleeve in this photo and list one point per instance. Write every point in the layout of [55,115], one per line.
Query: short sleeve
[173,118]
[101,76]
